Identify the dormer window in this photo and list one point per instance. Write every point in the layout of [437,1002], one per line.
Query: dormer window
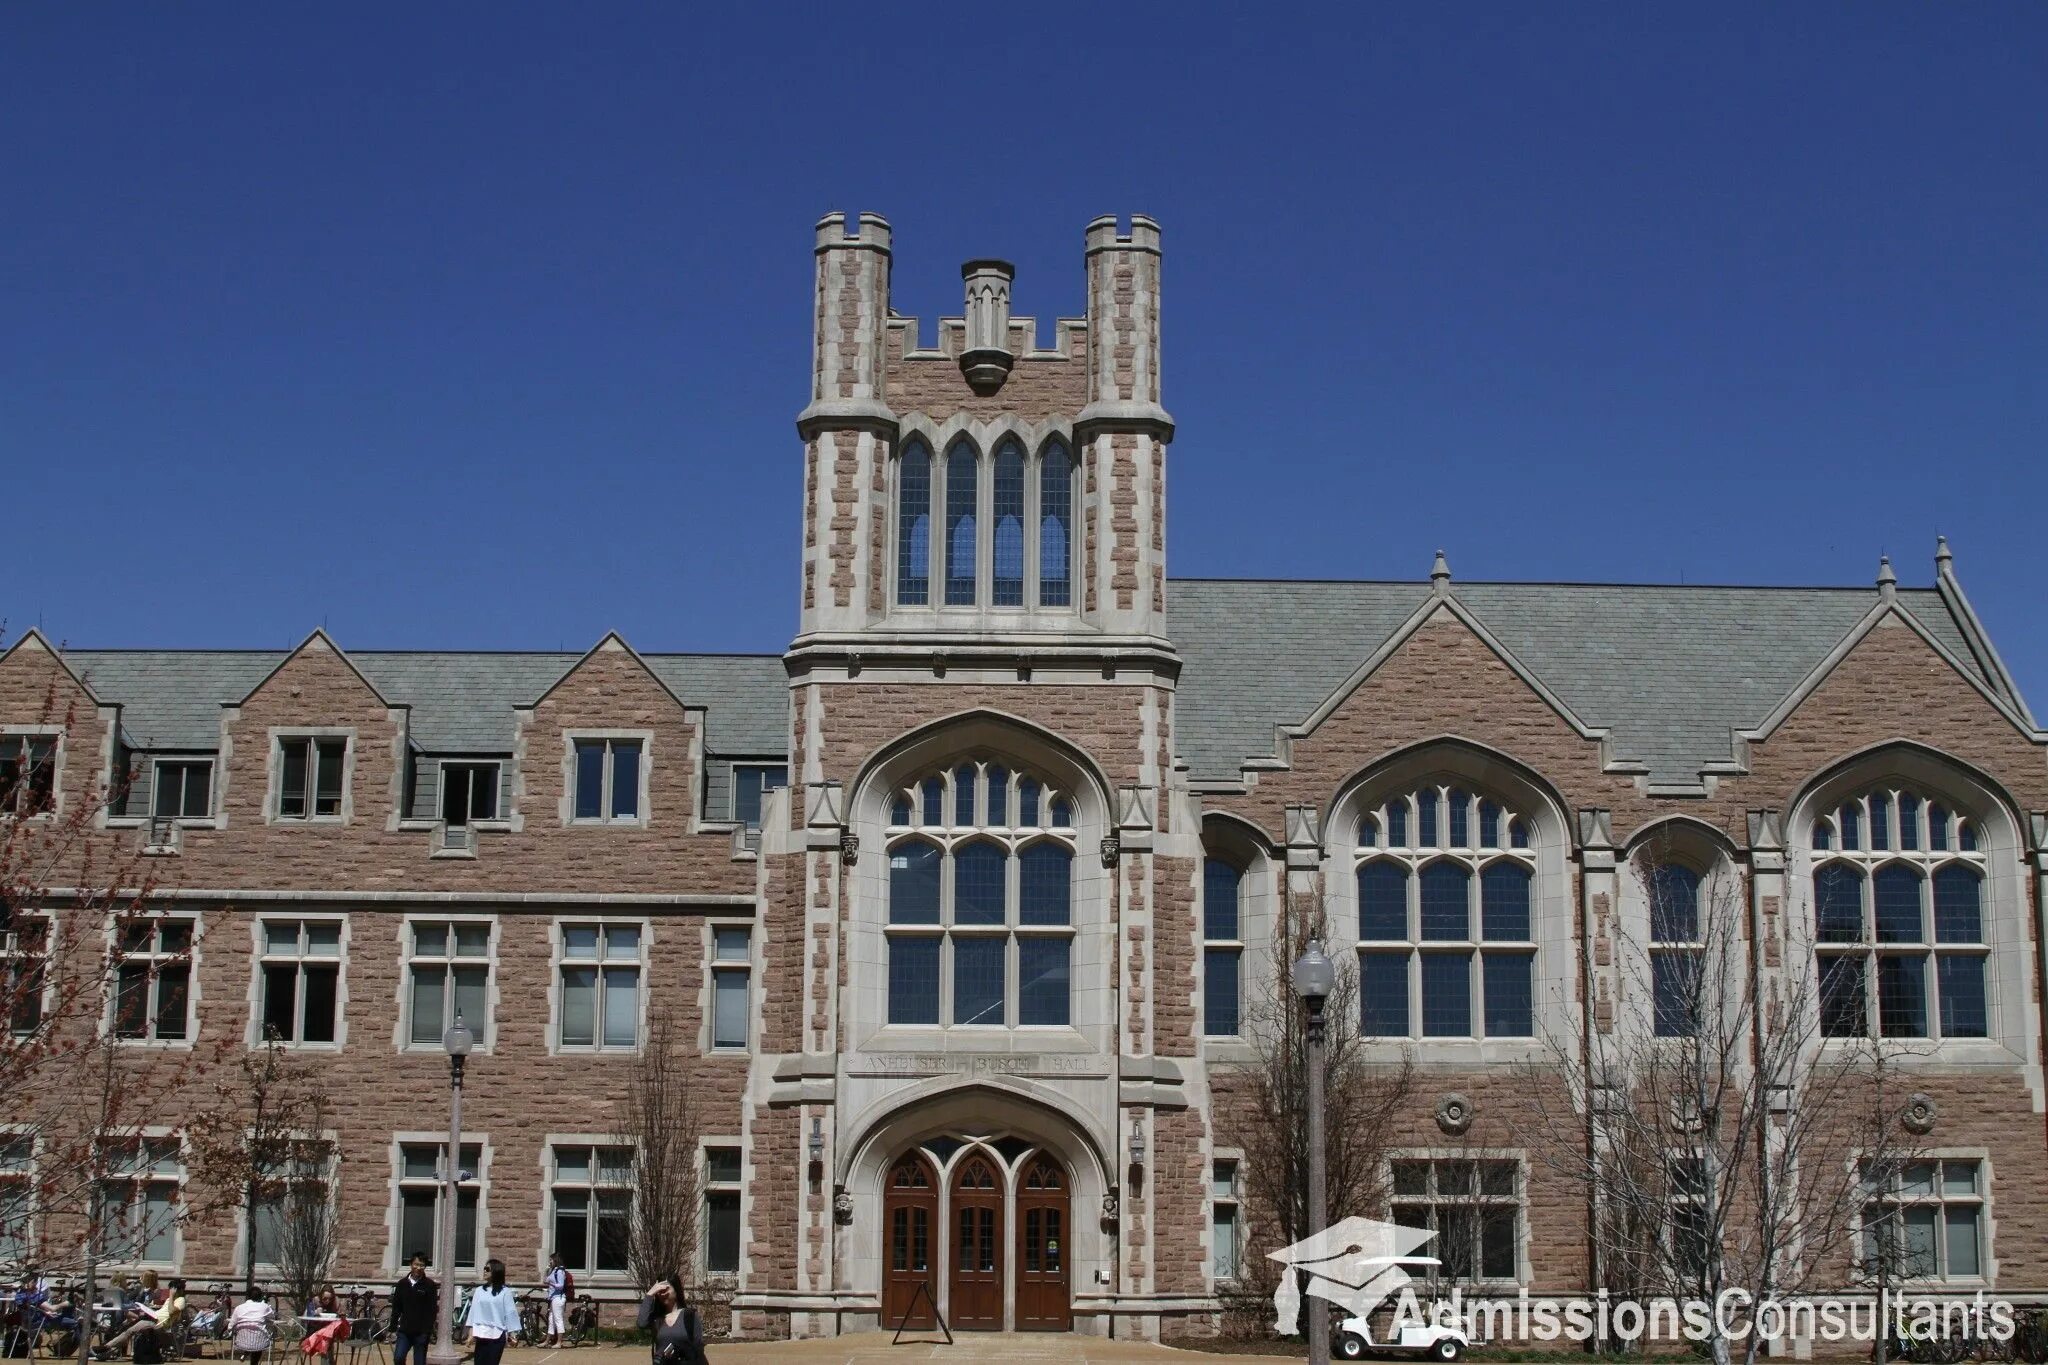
[183,788]
[310,777]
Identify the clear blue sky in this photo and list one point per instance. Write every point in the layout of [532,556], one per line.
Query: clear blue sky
[484,325]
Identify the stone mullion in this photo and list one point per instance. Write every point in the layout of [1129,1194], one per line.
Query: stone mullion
[1599,988]
[1771,946]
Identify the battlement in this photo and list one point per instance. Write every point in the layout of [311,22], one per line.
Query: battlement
[1103,236]
[869,230]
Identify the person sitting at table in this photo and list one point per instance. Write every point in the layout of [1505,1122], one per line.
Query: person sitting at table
[156,1320]
[61,1319]
[325,1309]
[249,1326]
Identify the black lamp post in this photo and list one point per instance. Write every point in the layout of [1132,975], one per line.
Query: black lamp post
[1313,978]
[458,1040]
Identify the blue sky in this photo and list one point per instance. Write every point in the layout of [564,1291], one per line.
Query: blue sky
[484,325]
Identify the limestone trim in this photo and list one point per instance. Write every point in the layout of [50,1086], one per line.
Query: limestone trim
[396,1256]
[643,816]
[1951,589]
[273,792]
[485,1029]
[253,1033]
[558,957]
[320,640]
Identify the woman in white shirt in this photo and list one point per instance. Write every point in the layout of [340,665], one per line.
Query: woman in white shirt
[493,1314]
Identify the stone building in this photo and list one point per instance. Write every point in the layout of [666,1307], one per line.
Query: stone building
[962,900]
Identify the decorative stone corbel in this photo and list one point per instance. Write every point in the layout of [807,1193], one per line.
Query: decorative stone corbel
[1304,836]
[1596,827]
[825,817]
[849,848]
[1766,831]
[842,1206]
[1112,850]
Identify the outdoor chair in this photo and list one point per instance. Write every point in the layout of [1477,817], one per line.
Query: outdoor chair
[367,1341]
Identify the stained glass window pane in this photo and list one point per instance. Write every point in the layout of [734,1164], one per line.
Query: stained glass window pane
[996,782]
[1219,991]
[1838,903]
[1027,802]
[1446,995]
[1383,902]
[1842,1008]
[1958,905]
[1896,893]
[914,526]
[961,492]
[1510,1011]
[1964,1013]
[963,794]
[1055,515]
[1446,902]
[1674,904]
[1489,825]
[979,877]
[1007,590]
[1902,996]
[1045,875]
[1880,822]
[1504,902]
[1909,820]
[914,883]
[1425,815]
[978,980]
[1675,984]
[1383,995]
[1397,823]
[1043,981]
[913,980]
[1221,885]
[1461,819]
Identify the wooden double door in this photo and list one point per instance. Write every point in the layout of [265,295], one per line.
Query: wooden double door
[982,1254]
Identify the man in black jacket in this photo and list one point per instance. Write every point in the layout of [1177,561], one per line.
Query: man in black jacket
[415,1311]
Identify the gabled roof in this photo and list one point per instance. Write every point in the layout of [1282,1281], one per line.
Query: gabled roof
[1671,672]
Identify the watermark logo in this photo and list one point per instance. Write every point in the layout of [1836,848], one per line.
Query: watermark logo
[1356,1264]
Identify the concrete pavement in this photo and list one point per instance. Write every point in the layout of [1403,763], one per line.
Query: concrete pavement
[873,1348]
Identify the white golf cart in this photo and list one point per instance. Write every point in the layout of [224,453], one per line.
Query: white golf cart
[1437,1340]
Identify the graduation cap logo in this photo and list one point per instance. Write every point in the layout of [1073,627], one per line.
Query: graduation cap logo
[1356,1263]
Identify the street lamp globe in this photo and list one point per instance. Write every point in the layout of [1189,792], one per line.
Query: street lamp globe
[1314,975]
[458,1040]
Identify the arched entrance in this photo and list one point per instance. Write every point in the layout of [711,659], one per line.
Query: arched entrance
[1044,1300]
[910,1216]
[984,1226]
[976,1287]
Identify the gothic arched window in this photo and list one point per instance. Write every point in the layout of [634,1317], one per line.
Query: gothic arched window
[1446,944]
[980,924]
[1007,528]
[1898,893]
[1676,951]
[1222,946]
[914,526]
[962,493]
[1055,522]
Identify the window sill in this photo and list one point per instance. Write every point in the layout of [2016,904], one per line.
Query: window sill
[302,821]
[155,1044]
[605,824]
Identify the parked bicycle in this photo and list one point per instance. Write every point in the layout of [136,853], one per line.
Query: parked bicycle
[533,1319]
[582,1321]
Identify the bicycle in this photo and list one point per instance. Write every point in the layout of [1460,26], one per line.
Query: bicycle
[460,1332]
[533,1319]
[582,1322]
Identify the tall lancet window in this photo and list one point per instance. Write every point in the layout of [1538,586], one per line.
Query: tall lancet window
[1008,527]
[914,526]
[1055,520]
[961,492]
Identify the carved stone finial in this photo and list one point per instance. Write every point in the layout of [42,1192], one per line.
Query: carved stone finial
[985,359]
[1440,572]
[1887,581]
[1942,558]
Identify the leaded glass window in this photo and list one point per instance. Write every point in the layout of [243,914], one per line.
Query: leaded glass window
[980,922]
[1446,936]
[962,493]
[1898,896]
[914,526]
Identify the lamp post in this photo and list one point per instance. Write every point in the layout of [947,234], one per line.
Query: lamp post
[1313,978]
[458,1040]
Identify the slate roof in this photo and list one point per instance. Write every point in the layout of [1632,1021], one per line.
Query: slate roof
[461,702]
[1670,671]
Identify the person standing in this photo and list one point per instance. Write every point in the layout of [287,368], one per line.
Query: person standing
[678,1331]
[493,1314]
[415,1311]
[558,1299]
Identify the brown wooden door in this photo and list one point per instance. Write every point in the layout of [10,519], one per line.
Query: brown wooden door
[1044,1248]
[976,1213]
[910,1228]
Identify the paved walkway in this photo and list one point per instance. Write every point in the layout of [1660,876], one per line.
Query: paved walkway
[873,1348]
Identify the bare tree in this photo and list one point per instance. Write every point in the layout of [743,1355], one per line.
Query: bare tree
[1364,1100]
[660,1126]
[1721,1146]
[261,1148]
[86,966]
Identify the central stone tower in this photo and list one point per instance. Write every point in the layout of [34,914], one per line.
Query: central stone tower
[984,498]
